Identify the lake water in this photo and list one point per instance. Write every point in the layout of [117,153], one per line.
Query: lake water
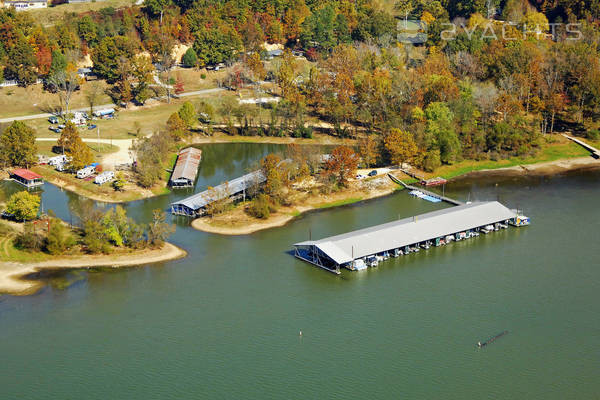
[225,321]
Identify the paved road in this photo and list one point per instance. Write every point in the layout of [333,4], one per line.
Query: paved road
[47,115]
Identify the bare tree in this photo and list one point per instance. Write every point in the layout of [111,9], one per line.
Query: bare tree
[93,95]
[165,61]
[66,83]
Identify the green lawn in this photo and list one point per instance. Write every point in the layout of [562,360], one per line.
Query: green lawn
[549,152]
[45,148]
[339,203]
[16,101]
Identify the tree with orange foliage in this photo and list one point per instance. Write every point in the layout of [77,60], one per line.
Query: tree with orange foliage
[341,164]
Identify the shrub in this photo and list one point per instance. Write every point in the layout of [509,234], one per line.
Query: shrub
[592,134]
[260,207]
[29,239]
[59,238]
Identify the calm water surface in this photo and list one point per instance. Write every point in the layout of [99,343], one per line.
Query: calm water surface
[225,322]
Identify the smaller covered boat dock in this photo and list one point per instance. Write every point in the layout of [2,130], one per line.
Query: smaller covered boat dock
[186,168]
[26,177]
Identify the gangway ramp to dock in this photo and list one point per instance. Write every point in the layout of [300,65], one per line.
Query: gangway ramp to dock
[427,192]
[595,152]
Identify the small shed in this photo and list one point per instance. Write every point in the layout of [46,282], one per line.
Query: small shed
[186,168]
[26,177]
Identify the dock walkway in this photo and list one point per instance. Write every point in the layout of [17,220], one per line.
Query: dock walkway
[427,192]
[595,152]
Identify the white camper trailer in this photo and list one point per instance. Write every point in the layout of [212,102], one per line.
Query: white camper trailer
[104,177]
[86,172]
[57,160]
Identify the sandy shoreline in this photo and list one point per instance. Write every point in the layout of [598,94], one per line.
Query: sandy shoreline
[13,276]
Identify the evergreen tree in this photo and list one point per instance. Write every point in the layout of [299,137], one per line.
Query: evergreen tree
[190,58]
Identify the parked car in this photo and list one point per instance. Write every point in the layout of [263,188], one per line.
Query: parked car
[373,173]
[62,126]
[92,126]
[359,176]
[55,129]
[53,120]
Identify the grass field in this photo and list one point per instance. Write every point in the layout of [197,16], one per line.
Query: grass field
[45,148]
[8,252]
[561,149]
[339,203]
[192,78]
[151,118]
[49,16]
[16,101]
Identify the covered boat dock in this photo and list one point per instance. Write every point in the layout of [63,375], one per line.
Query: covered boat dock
[356,249]
[26,177]
[237,188]
[186,169]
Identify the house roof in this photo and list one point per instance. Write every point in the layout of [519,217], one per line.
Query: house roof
[376,239]
[26,174]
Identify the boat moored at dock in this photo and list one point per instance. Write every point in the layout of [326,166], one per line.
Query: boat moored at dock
[410,235]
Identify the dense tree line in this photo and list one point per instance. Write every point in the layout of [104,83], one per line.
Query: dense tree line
[505,74]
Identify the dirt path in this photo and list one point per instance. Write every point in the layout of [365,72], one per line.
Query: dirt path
[13,275]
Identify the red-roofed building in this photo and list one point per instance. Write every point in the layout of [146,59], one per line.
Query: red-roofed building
[26,177]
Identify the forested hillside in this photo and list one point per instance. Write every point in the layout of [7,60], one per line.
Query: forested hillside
[485,79]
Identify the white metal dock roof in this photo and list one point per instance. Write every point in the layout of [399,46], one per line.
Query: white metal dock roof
[408,231]
[226,189]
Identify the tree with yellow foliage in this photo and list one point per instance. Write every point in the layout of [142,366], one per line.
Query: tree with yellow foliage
[401,146]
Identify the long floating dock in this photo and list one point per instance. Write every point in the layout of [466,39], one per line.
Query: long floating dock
[367,247]
[426,192]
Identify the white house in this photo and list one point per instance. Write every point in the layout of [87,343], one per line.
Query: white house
[104,177]
[86,172]
[20,5]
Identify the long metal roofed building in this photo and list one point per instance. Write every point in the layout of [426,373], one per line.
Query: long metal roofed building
[195,205]
[342,250]
[186,169]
